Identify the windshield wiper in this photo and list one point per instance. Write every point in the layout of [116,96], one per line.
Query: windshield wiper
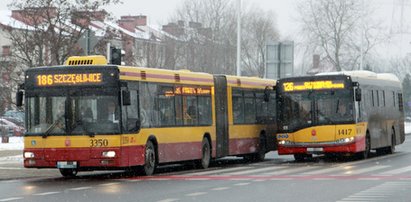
[52,126]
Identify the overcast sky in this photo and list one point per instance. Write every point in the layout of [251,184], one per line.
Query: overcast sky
[159,11]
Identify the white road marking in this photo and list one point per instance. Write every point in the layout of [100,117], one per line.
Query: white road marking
[260,180]
[360,171]
[218,171]
[11,168]
[79,188]
[288,171]
[370,178]
[220,188]
[397,171]
[11,199]
[242,184]
[281,179]
[380,192]
[324,170]
[255,170]
[196,194]
[169,200]
[47,193]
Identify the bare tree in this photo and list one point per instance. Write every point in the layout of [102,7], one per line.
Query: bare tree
[47,32]
[259,28]
[53,30]
[215,51]
[205,36]
[334,27]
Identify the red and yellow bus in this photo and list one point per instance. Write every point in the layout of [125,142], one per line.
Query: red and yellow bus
[346,113]
[87,115]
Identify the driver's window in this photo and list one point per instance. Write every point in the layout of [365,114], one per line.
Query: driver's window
[130,113]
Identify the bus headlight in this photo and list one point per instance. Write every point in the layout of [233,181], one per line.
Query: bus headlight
[28,155]
[345,140]
[109,154]
[284,142]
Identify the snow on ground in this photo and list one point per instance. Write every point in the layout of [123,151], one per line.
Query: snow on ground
[16,143]
[407,127]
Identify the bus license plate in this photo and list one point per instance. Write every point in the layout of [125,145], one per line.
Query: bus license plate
[67,164]
[317,149]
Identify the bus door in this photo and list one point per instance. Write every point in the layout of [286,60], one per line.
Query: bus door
[222,141]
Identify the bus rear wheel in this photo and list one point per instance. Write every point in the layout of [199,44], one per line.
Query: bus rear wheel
[391,149]
[68,172]
[150,159]
[260,155]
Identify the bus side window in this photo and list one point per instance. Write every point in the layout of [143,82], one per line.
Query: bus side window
[130,114]
[238,107]
[400,104]
[204,110]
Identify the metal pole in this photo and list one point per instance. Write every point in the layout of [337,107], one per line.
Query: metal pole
[88,42]
[108,53]
[362,36]
[238,37]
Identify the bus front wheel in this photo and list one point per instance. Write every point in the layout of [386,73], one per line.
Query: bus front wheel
[364,154]
[150,159]
[68,172]
[205,154]
[302,157]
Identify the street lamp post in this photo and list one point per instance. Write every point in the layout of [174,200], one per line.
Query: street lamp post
[238,37]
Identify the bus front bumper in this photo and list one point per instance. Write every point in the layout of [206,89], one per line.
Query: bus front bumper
[84,159]
[357,145]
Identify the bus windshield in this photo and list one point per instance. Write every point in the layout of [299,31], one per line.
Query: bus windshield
[309,108]
[59,115]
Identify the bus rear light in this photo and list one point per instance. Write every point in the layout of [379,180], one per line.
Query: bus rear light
[28,155]
[109,154]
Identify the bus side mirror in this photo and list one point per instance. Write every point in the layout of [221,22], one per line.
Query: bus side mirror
[126,98]
[138,126]
[19,98]
[358,94]
[267,94]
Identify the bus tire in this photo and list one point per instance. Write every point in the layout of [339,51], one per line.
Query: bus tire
[205,154]
[68,172]
[150,159]
[302,157]
[365,154]
[391,148]
[260,154]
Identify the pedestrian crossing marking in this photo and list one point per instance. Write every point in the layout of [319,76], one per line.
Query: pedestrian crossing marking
[397,171]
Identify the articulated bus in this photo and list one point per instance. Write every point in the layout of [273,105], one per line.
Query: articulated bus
[343,113]
[87,115]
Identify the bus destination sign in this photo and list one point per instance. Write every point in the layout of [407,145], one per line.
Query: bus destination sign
[68,79]
[312,85]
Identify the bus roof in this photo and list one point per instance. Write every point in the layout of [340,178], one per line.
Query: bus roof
[365,74]
[249,82]
[165,75]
